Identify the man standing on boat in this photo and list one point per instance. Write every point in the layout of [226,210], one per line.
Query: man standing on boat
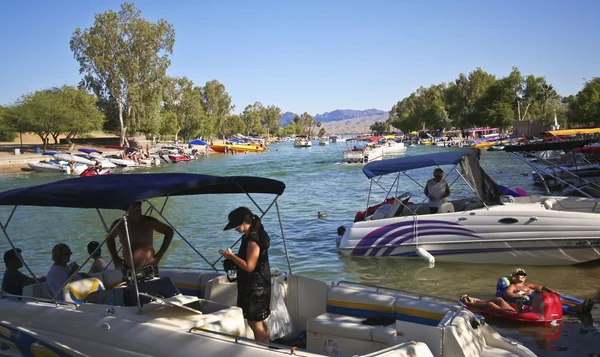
[141,234]
[437,190]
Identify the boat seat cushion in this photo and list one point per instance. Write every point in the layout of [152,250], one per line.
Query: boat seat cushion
[351,327]
[77,291]
[419,208]
[419,311]
[340,325]
[359,303]
[188,282]
[112,278]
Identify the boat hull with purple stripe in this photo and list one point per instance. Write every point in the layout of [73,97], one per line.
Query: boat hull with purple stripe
[528,231]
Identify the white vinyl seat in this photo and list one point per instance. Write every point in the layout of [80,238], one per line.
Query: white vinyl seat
[344,321]
[77,291]
[36,290]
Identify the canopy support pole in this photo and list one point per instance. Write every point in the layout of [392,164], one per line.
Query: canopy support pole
[287,256]
[3,227]
[132,262]
[553,176]
[102,219]
[182,237]
[9,218]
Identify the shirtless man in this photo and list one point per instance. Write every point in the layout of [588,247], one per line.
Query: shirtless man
[141,232]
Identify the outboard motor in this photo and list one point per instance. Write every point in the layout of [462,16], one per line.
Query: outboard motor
[548,305]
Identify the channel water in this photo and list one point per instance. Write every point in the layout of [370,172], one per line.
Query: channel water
[316,182]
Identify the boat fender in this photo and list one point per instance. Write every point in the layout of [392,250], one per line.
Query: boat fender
[426,256]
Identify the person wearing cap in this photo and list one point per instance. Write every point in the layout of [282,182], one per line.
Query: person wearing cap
[253,270]
[519,289]
[100,264]
[13,280]
[436,190]
[141,234]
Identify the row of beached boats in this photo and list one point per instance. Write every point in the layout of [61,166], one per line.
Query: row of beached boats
[91,162]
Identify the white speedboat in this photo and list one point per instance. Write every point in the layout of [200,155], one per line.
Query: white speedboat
[193,313]
[302,141]
[57,166]
[120,161]
[68,157]
[392,147]
[96,156]
[324,141]
[492,229]
[366,154]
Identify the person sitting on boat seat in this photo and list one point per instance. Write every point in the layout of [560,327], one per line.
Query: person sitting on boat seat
[61,270]
[436,190]
[141,233]
[519,289]
[480,304]
[13,280]
[100,264]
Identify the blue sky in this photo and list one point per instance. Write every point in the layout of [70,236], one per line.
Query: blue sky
[318,56]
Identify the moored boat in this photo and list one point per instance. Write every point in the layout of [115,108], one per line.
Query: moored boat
[490,229]
[153,317]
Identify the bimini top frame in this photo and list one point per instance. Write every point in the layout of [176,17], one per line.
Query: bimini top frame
[376,170]
[121,191]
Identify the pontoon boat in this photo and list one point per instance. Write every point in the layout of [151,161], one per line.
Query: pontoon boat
[193,312]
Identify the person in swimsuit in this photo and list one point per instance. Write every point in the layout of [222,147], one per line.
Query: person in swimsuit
[480,304]
[141,233]
[253,270]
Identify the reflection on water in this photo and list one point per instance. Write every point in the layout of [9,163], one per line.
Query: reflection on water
[316,181]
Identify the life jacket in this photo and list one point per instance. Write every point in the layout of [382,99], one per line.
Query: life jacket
[502,284]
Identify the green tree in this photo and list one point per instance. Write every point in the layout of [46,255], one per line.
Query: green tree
[234,124]
[584,107]
[7,129]
[52,112]
[253,119]
[272,119]
[124,58]
[217,106]
[185,102]
[378,127]
[462,94]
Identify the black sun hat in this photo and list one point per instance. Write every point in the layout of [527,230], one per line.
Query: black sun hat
[237,217]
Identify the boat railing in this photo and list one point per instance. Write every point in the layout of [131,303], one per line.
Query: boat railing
[4,295]
[417,295]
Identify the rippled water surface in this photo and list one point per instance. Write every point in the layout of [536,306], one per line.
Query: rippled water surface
[316,181]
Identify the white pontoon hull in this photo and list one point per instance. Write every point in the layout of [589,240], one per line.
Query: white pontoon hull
[528,231]
[441,329]
[363,156]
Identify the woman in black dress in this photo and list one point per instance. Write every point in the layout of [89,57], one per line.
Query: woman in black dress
[253,270]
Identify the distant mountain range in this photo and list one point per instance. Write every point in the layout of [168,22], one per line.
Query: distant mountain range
[344,121]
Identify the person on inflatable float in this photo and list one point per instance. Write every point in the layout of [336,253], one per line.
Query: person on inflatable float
[512,288]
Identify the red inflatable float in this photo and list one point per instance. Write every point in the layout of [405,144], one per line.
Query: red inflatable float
[545,309]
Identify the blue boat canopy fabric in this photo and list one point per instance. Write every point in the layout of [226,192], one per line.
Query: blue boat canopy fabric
[197,142]
[384,167]
[120,191]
